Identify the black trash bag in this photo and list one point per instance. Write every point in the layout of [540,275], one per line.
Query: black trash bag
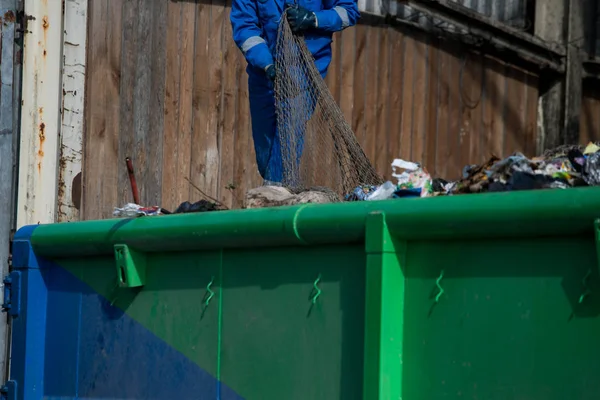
[577,160]
[525,181]
[438,185]
[199,206]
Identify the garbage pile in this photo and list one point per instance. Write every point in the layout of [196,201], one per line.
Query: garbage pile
[132,210]
[561,168]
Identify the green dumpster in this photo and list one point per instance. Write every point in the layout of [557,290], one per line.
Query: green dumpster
[491,296]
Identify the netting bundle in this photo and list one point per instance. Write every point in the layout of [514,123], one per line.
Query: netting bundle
[318,147]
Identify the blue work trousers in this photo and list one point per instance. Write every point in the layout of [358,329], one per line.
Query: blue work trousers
[265,135]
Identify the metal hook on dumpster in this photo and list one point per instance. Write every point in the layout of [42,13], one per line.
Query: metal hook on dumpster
[586,291]
[317,290]
[440,288]
[210,292]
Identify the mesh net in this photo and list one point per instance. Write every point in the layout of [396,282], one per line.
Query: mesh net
[318,147]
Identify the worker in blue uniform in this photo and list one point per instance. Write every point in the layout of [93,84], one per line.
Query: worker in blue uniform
[255,24]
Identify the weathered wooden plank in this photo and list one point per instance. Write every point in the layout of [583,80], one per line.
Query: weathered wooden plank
[40,114]
[454,117]
[429,159]
[228,123]
[407,98]
[155,61]
[585,123]
[531,109]
[590,116]
[476,105]
[493,115]
[72,126]
[372,72]
[467,131]
[441,154]
[201,98]
[381,137]
[126,124]
[325,166]
[171,133]
[347,60]
[97,180]
[395,105]
[489,96]
[420,99]
[186,109]
[360,82]
[215,59]
[499,108]
[113,102]
[142,90]
[574,71]
[514,111]
[243,162]
[465,83]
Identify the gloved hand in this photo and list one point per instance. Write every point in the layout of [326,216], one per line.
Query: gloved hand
[270,71]
[300,19]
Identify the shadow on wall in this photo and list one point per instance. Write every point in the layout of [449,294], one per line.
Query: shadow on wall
[463,105]
[590,112]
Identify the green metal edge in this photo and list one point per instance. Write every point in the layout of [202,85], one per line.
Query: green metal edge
[512,214]
[384,311]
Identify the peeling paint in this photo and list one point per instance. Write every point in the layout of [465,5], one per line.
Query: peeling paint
[9,16]
[40,114]
[72,109]
[42,134]
[42,139]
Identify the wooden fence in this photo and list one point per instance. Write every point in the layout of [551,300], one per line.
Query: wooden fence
[590,114]
[167,86]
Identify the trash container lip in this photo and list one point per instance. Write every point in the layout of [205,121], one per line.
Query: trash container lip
[553,212]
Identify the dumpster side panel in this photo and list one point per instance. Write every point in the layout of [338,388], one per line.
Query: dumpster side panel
[277,344]
[171,304]
[508,324]
[115,355]
[80,337]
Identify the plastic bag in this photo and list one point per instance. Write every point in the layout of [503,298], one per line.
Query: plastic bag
[133,210]
[360,193]
[414,176]
[383,192]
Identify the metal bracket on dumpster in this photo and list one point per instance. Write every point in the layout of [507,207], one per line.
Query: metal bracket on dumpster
[9,391]
[12,294]
[597,235]
[131,266]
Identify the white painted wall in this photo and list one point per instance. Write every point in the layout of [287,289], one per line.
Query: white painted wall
[73,81]
[52,123]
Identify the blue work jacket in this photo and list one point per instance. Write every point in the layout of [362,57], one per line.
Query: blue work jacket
[255,22]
